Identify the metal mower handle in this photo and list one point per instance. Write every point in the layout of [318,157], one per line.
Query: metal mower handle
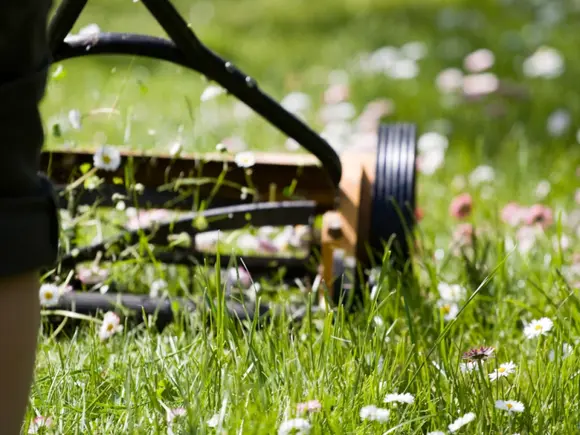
[187,50]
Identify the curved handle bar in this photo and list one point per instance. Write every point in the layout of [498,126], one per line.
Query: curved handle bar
[186,50]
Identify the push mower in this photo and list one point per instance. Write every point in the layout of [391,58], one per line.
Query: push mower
[366,200]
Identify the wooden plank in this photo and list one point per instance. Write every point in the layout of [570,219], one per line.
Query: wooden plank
[271,175]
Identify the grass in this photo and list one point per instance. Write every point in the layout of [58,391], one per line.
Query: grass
[249,380]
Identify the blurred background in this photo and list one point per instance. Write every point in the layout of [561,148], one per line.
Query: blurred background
[489,77]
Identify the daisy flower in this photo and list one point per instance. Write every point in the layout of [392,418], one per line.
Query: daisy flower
[468,366]
[503,370]
[401,398]
[211,92]
[567,349]
[513,214]
[39,424]
[461,206]
[437,432]
[451,292]
[461,421]
[310,406]
[245,159]
[296,426]
[540,215]
[111,325]
[482,174]
[107,158]
[214,421]
[448,309]
[372,413]
[157,287]
[49,295]
[172,414]
[538,327]
[510,405]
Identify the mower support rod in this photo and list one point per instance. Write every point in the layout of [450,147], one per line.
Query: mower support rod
[141,306]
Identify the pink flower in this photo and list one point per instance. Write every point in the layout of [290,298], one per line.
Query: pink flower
[310,406]
[336,94]
[540,215]
[480,60]
[526,238]
[145,218]
[463,235]
[419,214]
[478,85]
[240,274]
[176,412]
[449,80]
[267,246]
[513,214]
[91,275]
[371,116]
[461,206]
[40,422]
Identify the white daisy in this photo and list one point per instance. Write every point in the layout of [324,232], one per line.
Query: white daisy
[172,414]
[546,62]
[214,420]
[451,292]
[449,80]
[210,92]
[175,149]
[296,102]
[448,309]
[476,85]
[372,413]
[479,60]
[467,367]
[49,295]
[538,327]
[482,174]
[157,287]
[437,432]
[39,424]
[503,370]
[295,426]
[74,117]
[510,405]
[111,325]
[401,398]
[107,158]
[566,351]
[461,421]
[245,159]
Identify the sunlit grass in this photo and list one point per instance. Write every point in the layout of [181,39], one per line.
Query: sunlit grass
[246,379]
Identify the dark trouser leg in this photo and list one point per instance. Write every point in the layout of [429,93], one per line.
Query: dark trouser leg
[28,224]
[27,215]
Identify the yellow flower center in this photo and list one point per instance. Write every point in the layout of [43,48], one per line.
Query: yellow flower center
[106,159]
[538,327]
[446,308]
[509,405]
[501,369]
[48,295]
[110,327]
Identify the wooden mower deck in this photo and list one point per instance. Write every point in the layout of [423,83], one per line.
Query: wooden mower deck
[366,199]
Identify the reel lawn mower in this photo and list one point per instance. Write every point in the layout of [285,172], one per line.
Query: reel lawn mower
[366,200]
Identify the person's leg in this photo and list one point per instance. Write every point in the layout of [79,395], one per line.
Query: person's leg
[28,220]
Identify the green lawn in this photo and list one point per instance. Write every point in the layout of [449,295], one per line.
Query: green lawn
[237,380]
